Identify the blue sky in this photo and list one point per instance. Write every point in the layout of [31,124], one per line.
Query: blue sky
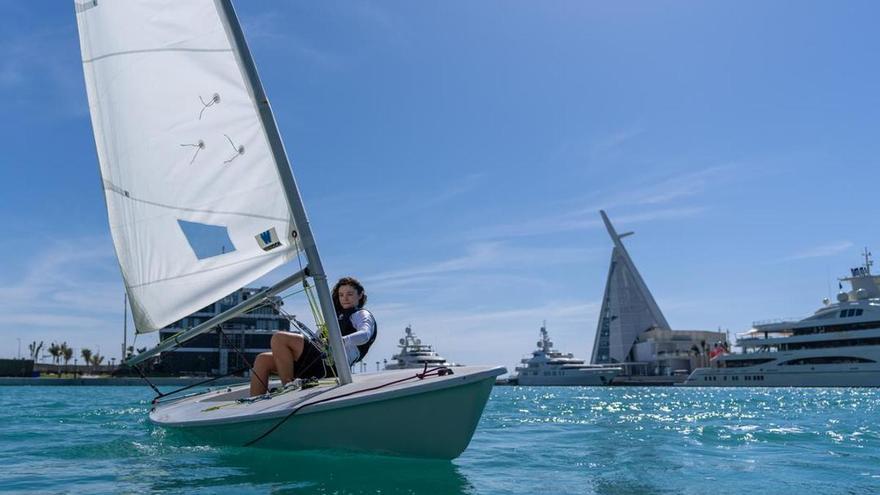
[454,156]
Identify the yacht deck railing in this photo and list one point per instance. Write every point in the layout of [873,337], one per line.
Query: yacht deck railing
[773,321]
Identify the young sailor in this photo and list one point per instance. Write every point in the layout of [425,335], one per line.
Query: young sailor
[294,356]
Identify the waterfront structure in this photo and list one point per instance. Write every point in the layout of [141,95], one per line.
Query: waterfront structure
[663,352]
[632,331]
[837,346]
[17,367]
[414,354]
[547,366]
[218,354]
[628,308]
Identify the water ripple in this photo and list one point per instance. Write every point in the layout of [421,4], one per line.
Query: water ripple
[530,440]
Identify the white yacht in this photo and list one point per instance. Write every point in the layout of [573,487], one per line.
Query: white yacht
[837,346]
[413,354]
[550,367]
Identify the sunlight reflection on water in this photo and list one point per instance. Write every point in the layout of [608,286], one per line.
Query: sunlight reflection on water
[579,440]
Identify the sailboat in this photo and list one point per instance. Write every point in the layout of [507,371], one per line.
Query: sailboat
[201,200]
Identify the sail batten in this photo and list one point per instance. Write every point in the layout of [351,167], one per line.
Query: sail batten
[191,183]
[155,50]
[119,190]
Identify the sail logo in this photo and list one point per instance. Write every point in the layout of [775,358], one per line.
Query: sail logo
[268,240]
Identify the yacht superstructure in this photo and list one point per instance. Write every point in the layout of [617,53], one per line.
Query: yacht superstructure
[413,354]
[547,366]
[837,346]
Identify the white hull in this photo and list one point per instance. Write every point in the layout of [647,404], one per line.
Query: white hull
[549,367]
[417,366]
[434,417]
[586,378]
[778,370]
[810,376]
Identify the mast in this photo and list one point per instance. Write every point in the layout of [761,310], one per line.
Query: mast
[304,234]
[124,326]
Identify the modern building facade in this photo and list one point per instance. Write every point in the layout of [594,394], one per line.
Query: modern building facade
[632,331]
[666,352]
[628,308]
[214,354]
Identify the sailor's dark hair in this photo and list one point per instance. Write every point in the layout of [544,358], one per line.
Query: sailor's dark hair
[354,283]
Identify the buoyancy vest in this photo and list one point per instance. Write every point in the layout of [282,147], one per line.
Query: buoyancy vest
[346,327]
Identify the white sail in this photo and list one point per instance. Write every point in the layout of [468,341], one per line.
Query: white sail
[195,202]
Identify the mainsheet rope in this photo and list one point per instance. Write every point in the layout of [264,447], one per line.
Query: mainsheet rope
[317,340]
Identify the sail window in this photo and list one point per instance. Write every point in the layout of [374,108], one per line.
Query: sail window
[206,240]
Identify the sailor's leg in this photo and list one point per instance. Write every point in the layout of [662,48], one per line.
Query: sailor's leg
[263,366]
[286,348]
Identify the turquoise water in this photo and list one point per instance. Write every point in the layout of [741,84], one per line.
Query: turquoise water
[89,440]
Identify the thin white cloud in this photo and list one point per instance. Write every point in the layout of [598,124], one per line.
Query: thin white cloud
[657,194]
[461,187]
[594,149]
[52,322]
[268,27]
[70,290]
[581,220]
[371,13]
[42,68]
[666,189]
[483,256]
[821,251]
[615,140]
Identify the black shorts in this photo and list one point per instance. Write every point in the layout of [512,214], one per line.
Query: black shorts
[310,363]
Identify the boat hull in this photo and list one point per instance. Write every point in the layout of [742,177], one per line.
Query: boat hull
[592,378]
[831,376]
[431,418]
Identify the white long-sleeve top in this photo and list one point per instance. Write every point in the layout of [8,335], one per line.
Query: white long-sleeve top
[365,326]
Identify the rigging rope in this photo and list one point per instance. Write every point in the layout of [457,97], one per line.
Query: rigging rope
[156,400]
[241,355]
[319,339]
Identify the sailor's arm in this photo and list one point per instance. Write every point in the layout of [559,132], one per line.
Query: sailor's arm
[364,326]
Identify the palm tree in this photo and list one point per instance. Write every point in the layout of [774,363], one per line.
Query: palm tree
[66,353]
[35,350]
[55,352]
[87,355]
[705,352]
[97,359]
[696,352]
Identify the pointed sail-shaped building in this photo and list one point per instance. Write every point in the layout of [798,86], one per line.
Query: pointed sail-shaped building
[628,308]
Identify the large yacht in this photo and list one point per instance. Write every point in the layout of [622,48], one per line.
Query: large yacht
[414,354]
[837,346]
[551,367]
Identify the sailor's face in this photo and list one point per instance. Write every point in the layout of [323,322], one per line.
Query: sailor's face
[348,297]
